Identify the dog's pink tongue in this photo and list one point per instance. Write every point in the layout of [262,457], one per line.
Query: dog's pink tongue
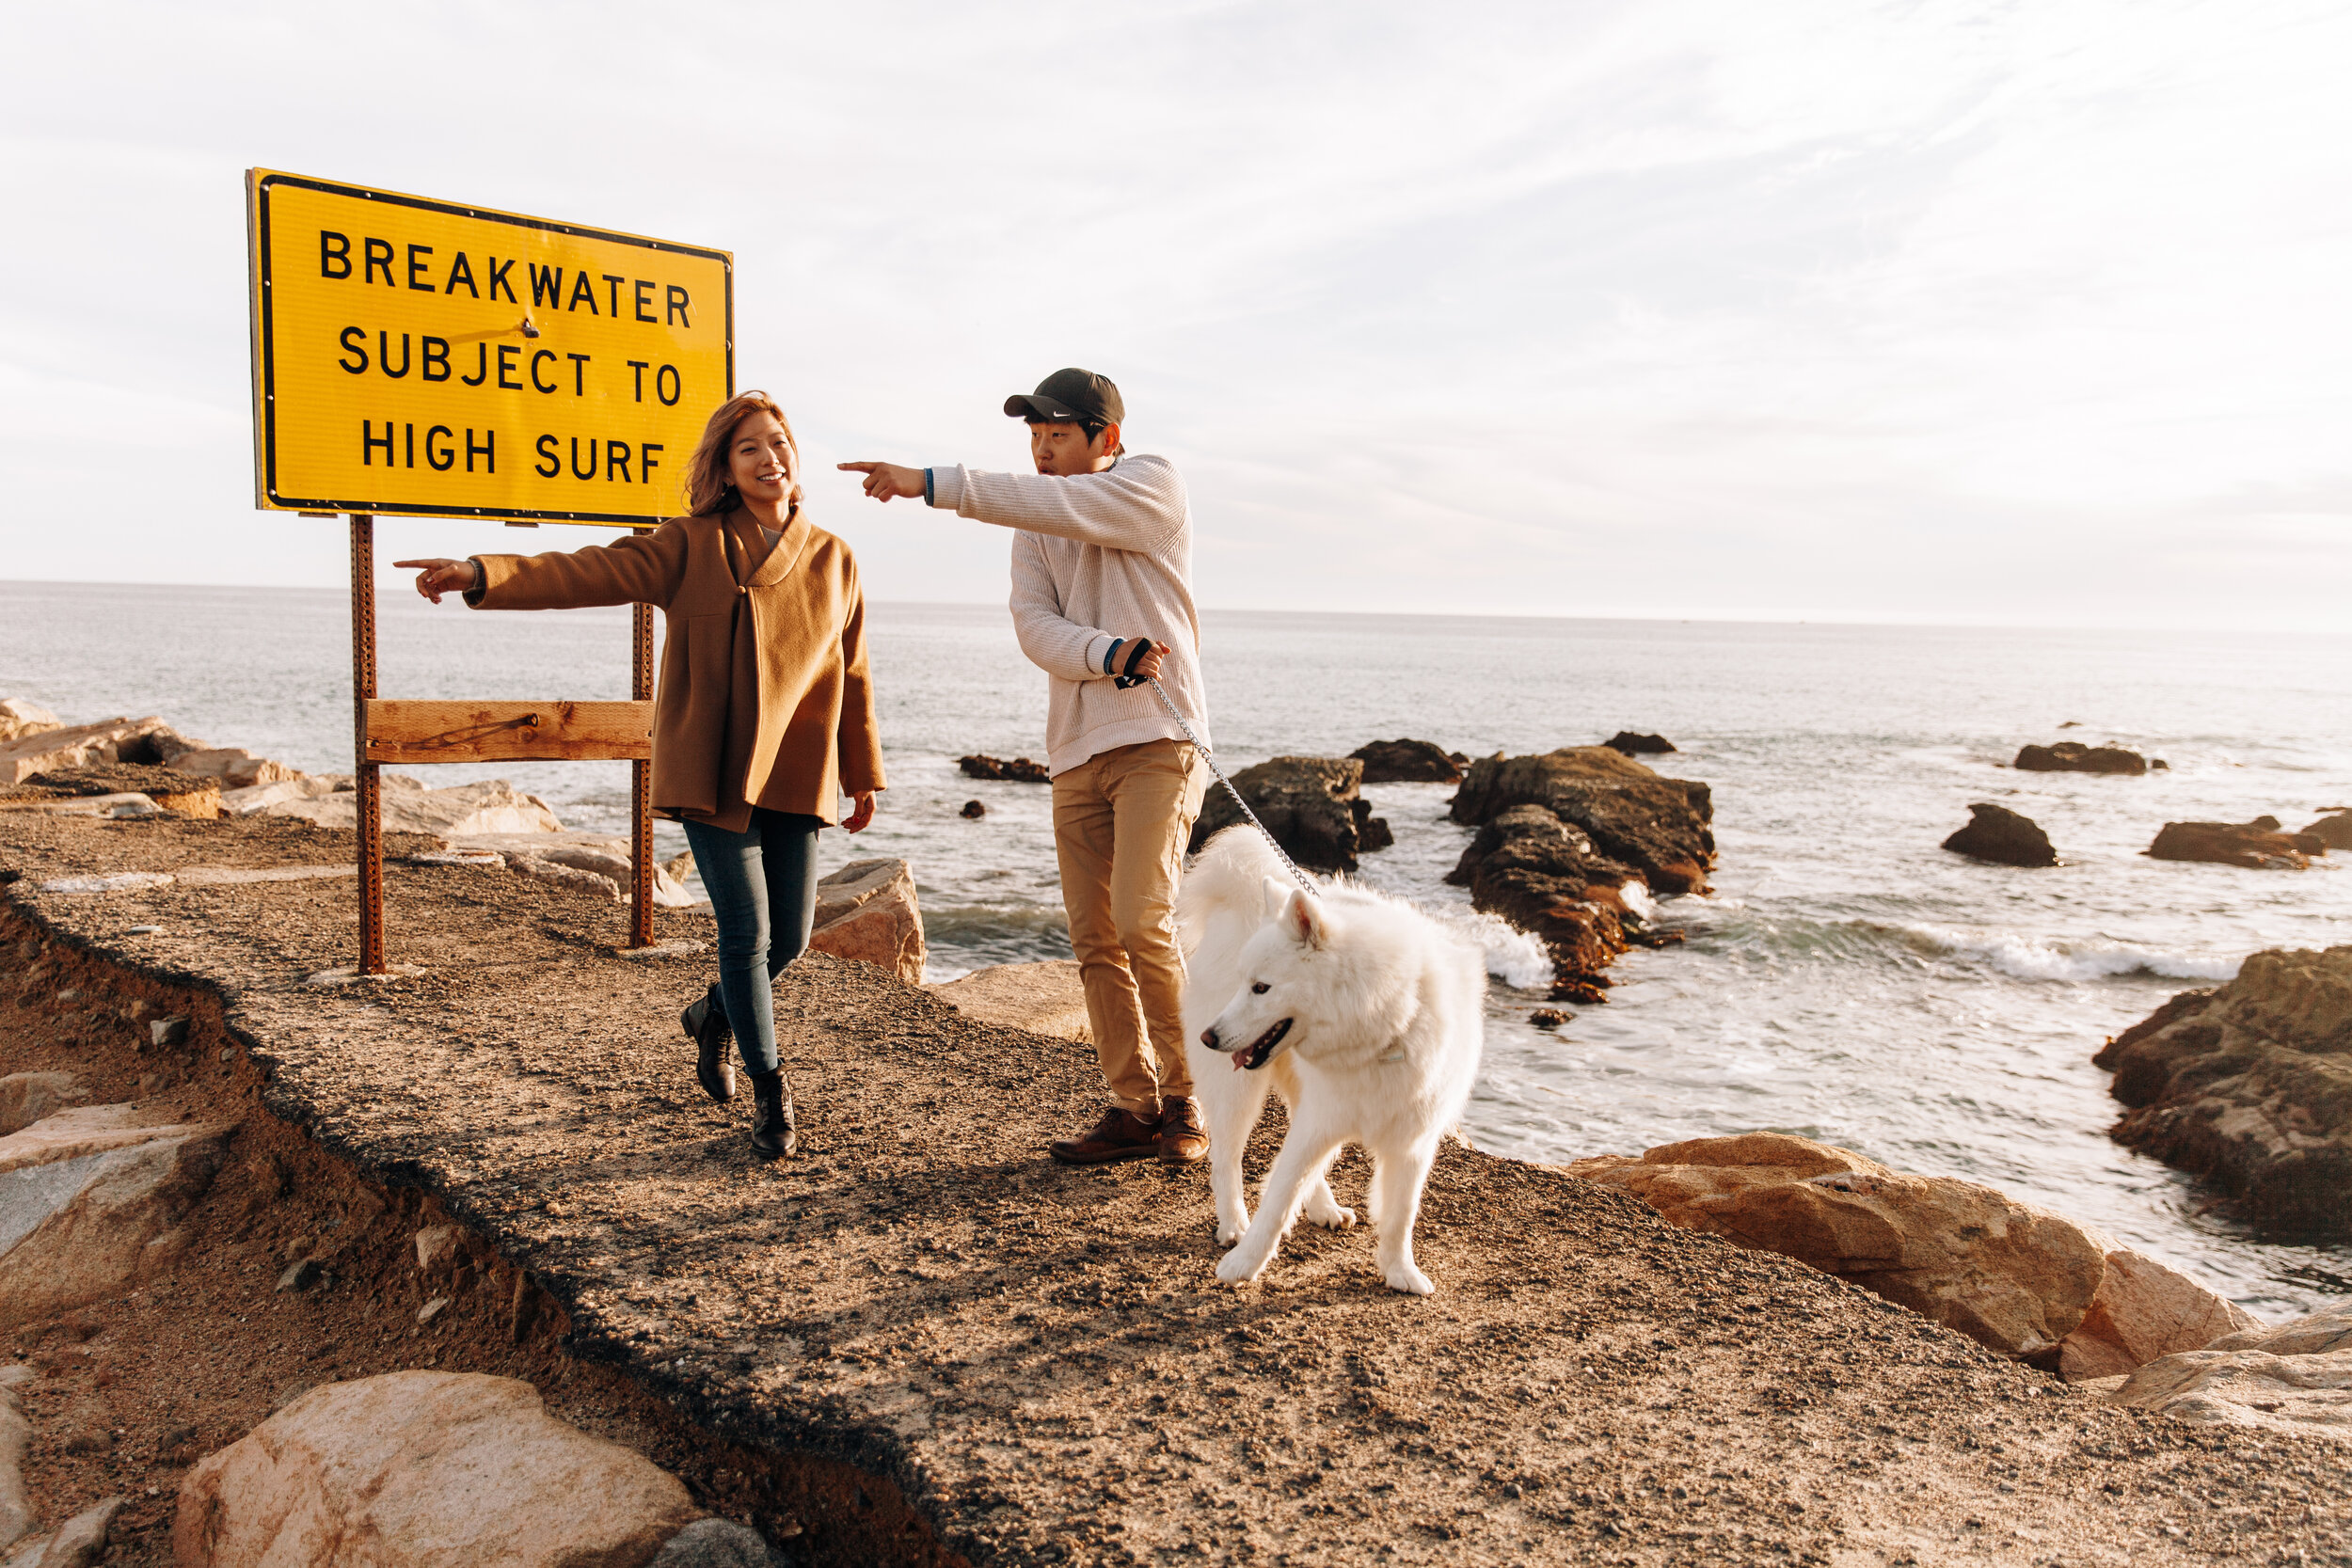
[1236,1060]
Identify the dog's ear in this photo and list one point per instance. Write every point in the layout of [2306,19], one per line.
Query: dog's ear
[1275,895]
[1305,919]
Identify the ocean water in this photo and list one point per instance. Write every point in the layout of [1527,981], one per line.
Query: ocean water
[1847,979]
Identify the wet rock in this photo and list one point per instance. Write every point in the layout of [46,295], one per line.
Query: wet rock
[1047,998]
[2004,837]
[1019,770]
[973,810]
[2144,1310]
[1548,1018]
[867,910]
[2333,830]
[1407,762]
[26,1097]
[2016,1279]
[2294,1378]
[2250,1084]
[423,1468]
[717,1544]
[20,719]
[1661,828]
[93,1207]
[1639,745]
[2073,756]
[1309,805]
[1545,878]
[2257,845]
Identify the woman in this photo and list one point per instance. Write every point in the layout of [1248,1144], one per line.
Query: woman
[765,717]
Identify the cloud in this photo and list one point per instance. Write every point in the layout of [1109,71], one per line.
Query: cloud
[1948,311]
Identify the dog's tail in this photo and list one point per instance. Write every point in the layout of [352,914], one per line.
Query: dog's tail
[1228,876]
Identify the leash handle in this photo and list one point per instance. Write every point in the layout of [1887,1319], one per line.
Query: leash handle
[1210,757]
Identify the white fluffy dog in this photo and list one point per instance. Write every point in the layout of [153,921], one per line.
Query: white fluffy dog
[1361,1012]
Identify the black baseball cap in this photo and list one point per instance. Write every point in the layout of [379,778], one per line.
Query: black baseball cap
[1073,396]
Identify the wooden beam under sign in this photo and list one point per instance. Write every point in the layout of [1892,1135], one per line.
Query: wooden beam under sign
[405,730]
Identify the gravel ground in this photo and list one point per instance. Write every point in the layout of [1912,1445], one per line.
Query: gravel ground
[922,1341]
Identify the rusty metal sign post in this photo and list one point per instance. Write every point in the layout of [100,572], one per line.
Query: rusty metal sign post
[545,372]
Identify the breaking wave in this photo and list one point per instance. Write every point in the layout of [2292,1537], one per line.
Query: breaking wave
[2025,960]
[1513,956]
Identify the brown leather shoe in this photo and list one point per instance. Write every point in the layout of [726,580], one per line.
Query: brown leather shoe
[1120,1135]
[1183,1139]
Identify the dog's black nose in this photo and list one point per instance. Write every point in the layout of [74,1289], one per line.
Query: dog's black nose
[1208,1037]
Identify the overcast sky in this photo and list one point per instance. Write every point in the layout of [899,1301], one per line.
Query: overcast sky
[1995,313]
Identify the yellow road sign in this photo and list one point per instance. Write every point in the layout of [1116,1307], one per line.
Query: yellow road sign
[424,356]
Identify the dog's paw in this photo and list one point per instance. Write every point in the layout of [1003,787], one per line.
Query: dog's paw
[1229,1232]
[1404,1278]
[1234,1268]
[1331,1216]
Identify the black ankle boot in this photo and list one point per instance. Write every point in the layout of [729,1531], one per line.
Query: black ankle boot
[773,1133]
[707,1026]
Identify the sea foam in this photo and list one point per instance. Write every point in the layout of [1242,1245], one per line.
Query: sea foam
[2025,958]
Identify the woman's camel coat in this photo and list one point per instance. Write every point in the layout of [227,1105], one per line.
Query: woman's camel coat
[765,699]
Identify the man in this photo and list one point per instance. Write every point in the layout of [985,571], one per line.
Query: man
[1101,598]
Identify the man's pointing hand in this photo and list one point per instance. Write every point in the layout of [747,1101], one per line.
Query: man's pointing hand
[888,480]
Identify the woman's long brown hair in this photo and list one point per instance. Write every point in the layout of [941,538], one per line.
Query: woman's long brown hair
[709,477]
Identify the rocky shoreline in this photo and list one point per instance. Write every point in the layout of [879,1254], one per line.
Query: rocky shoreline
[922,1342]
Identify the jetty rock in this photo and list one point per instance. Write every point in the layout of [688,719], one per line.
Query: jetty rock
[2016,1279]
[2333,830]
[2073,756]
[1312,805]
[20,718]
[2256,846]
[1046,998]
[50,751]
[235,767]
[2004,837]
[461,811]
[168,788]
[1635,745]
[417,1470]
[2250,1086]
[1544,876]
[867,910]
[1407,762]
[2294,1378]
[1662,828]
[1019,770]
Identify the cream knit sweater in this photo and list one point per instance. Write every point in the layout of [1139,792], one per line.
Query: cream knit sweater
[1096,557]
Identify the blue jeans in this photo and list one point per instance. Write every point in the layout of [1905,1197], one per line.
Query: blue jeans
[763,892]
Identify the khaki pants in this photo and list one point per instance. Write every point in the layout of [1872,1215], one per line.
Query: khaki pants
[1121,822]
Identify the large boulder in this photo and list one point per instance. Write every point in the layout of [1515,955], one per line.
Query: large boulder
[567,856]
[1635,745]
[1544,876]
[1661,828]
[422,1469]
[91,1204]
[1309,805]
[2145,1310]
[2294,1378]
[48,750]
[867,910]
[2014,1279]
[2257,845]
[2000,835]
[1047,998]
[1407,762]
[461,811]
[2335,829]
[2250,1084]
[20,718]
[2073,756]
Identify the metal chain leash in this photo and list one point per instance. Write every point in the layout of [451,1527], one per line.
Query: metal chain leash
[1210,757]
